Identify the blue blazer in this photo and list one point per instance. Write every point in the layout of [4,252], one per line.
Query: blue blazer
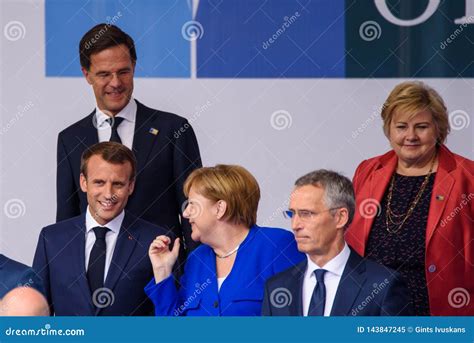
[60,262]
[165,158]
[263,253]
[15,274]
[366,289]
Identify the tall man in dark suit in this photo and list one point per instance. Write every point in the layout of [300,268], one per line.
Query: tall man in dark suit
[97,263]
[333,280]
[164,144]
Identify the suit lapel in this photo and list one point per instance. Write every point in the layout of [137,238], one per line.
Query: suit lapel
[124,247]
[78,247]
[352,281]
[89,135]
[295,286]
[442,188]
[143,140]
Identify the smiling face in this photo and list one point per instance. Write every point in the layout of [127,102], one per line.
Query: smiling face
[111,77]
[413,138]
[203,215]
[108,187]
[321,233]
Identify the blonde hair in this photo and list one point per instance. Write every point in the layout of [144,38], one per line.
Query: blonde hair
[411,98]
[231,183]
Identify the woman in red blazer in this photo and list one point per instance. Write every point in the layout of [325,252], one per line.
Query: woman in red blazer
[415,204]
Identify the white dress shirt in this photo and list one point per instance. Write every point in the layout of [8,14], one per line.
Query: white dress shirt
[125,129]
[335,268]
[110,238]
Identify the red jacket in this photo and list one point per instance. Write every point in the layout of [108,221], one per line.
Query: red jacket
[449,261]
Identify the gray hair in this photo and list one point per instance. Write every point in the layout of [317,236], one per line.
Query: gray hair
[338,190]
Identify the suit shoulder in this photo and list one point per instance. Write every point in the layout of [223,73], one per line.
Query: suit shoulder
[63,227]
[162,115]
[381,271]
[71,129]
[274,234]
[10,265]
[289,275]
[150,228]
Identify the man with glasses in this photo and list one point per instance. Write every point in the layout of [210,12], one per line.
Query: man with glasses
[333,280]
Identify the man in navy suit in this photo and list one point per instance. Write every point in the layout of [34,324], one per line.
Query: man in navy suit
[15,274]
[164,144]
[97,263]
[333,280]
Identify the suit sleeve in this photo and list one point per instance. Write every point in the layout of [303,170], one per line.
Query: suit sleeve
[397,299]
[356,178]
[41,268]
[67,199]
[186,158]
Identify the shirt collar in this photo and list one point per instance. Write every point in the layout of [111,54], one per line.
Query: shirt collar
[335,265]
[114,225]
[129,113]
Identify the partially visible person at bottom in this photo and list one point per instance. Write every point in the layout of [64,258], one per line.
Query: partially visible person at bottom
[415,211]
[24,301]
[225,275]
[333,280]
[15,274]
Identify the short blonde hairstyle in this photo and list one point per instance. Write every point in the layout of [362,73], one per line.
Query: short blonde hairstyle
[231,183]
[413,97]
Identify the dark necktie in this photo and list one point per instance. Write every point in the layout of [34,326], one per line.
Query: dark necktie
[95,271]
[114,136]
[318,299]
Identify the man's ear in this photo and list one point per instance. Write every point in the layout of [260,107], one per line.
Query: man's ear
[83,182]
[87,75]
[131,187]
[341,217]
[221,209]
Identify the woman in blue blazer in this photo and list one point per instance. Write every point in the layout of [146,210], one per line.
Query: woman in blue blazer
[225,275]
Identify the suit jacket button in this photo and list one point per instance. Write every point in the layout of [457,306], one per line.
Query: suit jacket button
[432,268]
[216,304]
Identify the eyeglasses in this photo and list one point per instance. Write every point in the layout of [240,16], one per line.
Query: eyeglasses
[304,214]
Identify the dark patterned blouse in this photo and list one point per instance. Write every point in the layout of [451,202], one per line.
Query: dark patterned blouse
[403,249]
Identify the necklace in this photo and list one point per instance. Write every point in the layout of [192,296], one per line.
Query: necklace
[400,219]
[230,253]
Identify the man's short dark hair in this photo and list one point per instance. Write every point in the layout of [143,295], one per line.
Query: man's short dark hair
[111,152]
[101,37]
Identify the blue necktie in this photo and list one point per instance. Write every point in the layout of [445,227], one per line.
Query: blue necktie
[96,269]
[318,299]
